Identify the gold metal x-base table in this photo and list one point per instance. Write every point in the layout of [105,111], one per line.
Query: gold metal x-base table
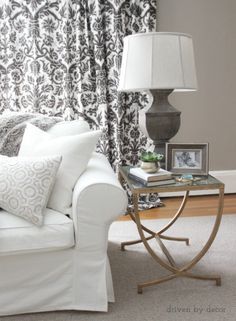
[206,183]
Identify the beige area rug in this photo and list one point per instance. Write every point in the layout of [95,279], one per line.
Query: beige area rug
[180,299]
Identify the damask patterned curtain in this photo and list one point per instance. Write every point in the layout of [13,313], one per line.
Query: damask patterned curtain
[63,57]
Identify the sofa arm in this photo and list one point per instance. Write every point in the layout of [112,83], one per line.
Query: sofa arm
[98,198]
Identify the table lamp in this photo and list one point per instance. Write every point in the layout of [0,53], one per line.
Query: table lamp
[161,62]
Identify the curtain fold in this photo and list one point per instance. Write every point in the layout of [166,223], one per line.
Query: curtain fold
[63,58]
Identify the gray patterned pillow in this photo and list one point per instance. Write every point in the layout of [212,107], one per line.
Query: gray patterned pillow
[26,184]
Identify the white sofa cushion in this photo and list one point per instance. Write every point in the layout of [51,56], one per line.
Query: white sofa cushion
[67,128]
[26,184]
[19,236]
[76,151]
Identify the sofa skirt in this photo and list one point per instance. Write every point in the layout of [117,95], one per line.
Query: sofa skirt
[61,280]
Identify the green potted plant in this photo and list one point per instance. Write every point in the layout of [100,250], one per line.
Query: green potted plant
[150,161]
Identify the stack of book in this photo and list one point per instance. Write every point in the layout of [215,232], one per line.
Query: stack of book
[162,177]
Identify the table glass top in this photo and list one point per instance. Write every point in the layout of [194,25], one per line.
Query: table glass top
[199,182]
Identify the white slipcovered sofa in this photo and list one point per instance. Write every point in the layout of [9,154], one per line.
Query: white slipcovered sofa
[63,265]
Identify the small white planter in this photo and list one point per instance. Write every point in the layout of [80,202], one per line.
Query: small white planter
[150,167]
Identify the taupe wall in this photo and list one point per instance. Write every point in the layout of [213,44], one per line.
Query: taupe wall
[208,115]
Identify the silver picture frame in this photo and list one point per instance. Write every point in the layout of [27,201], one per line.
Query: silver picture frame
[187,158]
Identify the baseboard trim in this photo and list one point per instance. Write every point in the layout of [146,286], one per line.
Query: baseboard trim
[228,177]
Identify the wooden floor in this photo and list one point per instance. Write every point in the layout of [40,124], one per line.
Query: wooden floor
[196,206]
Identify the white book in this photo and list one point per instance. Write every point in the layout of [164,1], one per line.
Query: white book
[162,174]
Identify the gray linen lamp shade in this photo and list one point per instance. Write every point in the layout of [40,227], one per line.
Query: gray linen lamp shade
[158,60]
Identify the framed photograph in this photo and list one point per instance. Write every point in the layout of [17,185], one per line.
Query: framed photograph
[187,158]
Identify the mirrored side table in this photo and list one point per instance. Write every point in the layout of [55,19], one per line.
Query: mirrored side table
[206,183]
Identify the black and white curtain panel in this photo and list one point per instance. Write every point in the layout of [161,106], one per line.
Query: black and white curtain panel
[63,57]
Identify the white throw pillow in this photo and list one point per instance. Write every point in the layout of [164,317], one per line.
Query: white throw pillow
[76,151]
[33,136]
[26,184]
[68,128]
